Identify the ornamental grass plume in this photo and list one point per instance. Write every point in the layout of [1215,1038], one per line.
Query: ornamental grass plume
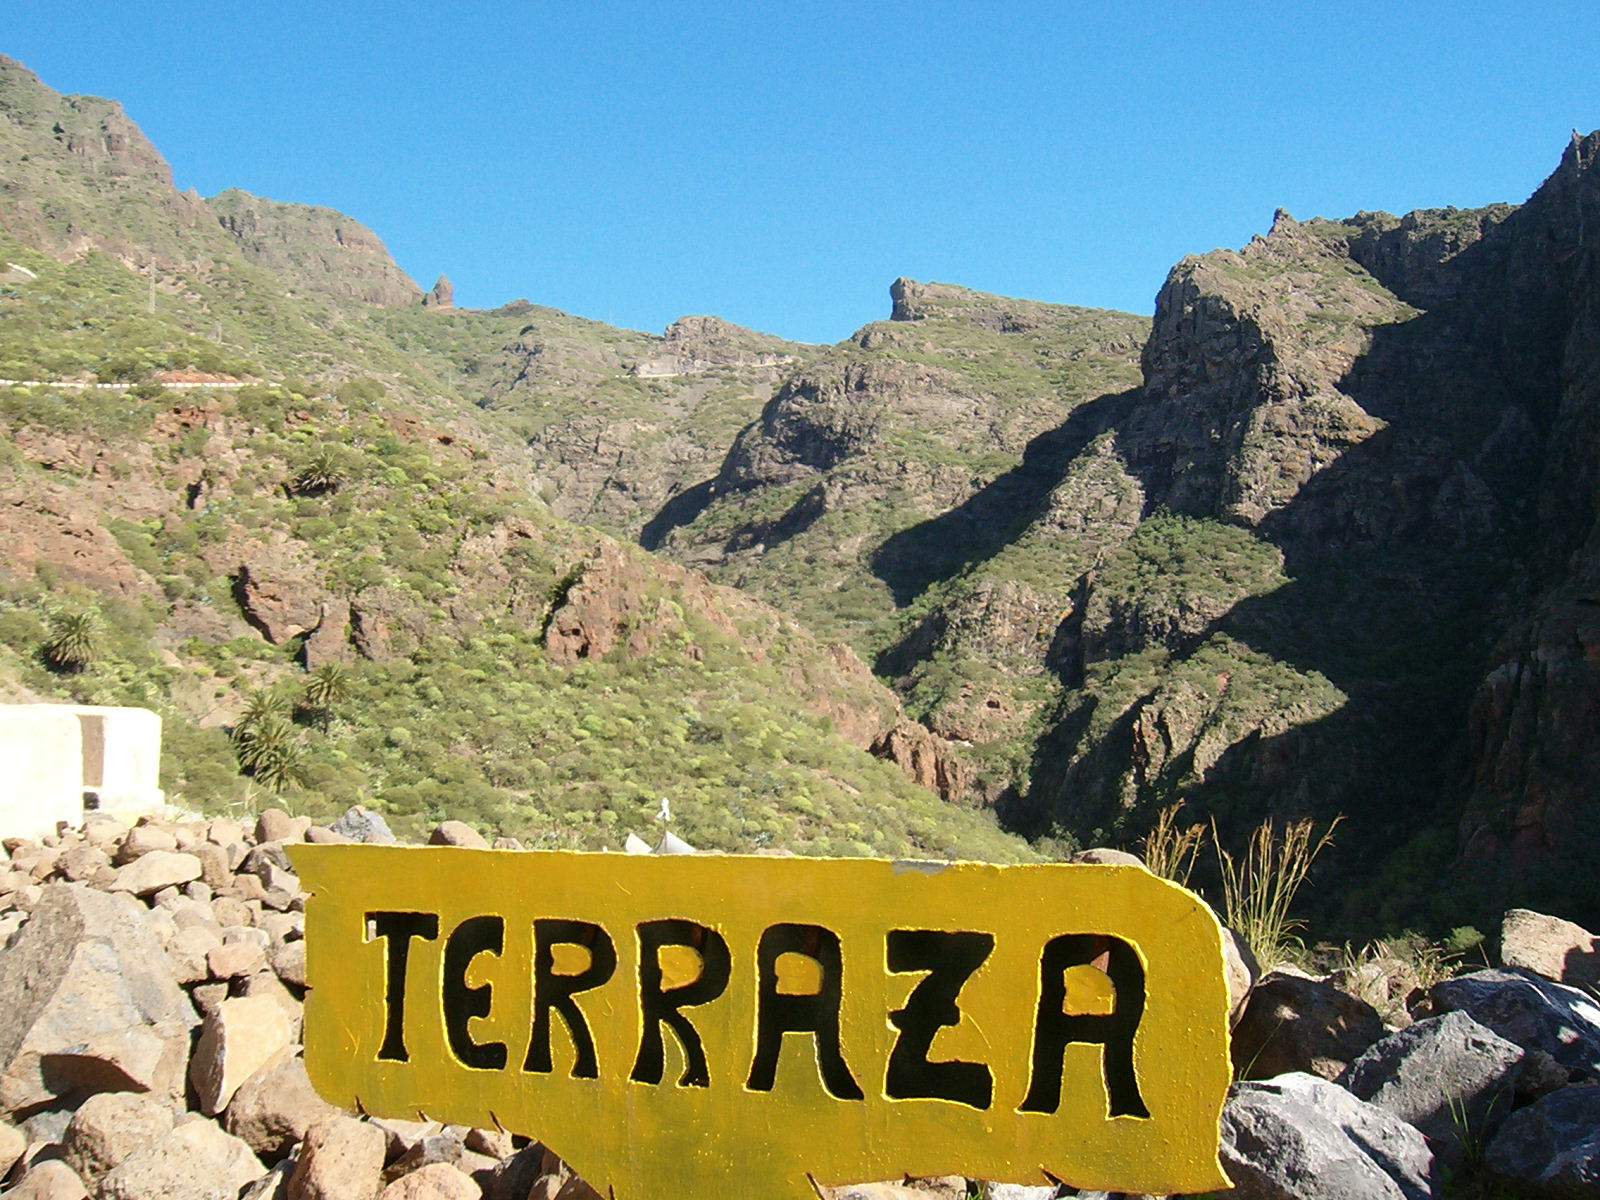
[1259,887]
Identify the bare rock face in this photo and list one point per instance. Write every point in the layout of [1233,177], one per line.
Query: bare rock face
[278,592]
[329,640]
[319,249]
[88,1004]
[925,757]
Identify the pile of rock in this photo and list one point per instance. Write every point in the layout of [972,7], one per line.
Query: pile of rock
[1488,1078]
[150,1014]
[152,978]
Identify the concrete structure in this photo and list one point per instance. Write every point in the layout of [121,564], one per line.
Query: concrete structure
[64,759]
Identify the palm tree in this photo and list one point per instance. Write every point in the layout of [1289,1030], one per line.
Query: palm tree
[74,642]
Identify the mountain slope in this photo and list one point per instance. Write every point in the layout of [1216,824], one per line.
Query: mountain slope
[342,565]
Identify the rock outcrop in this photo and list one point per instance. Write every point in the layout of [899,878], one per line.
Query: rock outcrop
[316,248]
[442,295]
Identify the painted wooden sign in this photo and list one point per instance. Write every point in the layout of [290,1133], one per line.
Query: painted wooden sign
[693,1026]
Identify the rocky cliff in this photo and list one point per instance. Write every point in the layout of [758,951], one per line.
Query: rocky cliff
[315,248]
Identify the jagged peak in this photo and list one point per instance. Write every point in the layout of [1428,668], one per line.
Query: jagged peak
[443,294]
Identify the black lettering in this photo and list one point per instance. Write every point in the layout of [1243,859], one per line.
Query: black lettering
[950,958]
[778,1013]
[1054,1028]
[474,936]
[397,929]
[553,991]
[658,1005]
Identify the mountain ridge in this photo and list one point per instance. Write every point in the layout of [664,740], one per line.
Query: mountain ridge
[1318,538]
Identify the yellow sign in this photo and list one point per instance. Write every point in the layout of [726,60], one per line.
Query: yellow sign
[695,1025]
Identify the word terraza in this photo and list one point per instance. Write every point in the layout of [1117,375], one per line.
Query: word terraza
[842,1019]
[799,980]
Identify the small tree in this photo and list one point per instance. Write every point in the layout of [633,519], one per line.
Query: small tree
[74,642]
[270,751]
[323,473]
[326,689]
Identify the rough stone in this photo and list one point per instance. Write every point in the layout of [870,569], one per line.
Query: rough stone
[50,1179]
[1017,1191]
[1242,970]
[1291,1023]
[13,1142]
[274,825]
[237,1039]
[274,1185]
[1105,856]
[232,959]
[340,1159]
[457,833]
[1448,1076]
[158,869]
[1552,1147]
[289,961]
[141,840]
[196,1161]
[362,825]
[1532,1012]
[82,863]
[265,984]
[513,1177]
[1299,1137]
[109,1128]
[442,1147]
[1556,949]
[85,992]
[214,870]
[436,1181]
[496,1143]
[274,1108]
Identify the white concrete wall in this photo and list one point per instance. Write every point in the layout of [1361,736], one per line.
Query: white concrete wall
[41,746]
[121,760]
[58,758]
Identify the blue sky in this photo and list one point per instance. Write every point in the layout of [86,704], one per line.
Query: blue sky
[780,164]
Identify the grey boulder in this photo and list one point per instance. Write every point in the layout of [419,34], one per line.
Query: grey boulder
[1552,1147]
[1449,1076]
[88,1003]
[1533,1012]
[1300,1137]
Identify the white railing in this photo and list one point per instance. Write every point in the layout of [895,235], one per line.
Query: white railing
[120,387]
